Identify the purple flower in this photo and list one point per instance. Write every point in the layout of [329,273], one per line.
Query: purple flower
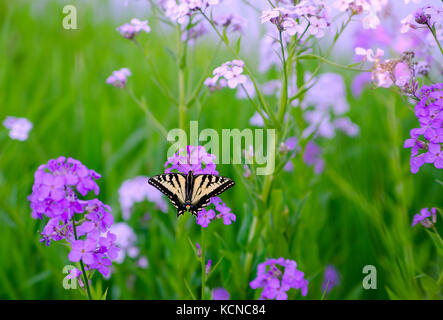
[118,78]
[309,14]
[220,294]
[143,262]
[83,250]
[434,155]
[429,137]
[55,194]
[208,267]
[423,217]
[194,159]
[205,217]
[232,22]
[129,30]
[230,72]
[125,241]
[277,276]
[368,7]
[199,250]
[325,109]
[180,11]
[136,190]
[312,156]
[331,278]
[18,127]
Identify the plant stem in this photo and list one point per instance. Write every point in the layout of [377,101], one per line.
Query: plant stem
[182,108]
[88,290]
[148,113]
[435,37]
[284,94]
[203,266]
[317,69]
[248,72]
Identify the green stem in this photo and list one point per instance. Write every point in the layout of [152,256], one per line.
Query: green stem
[435,37]
[284,94]
[202,261]
[317,69]
[313,56]
[162,85]
[148,113]
[88,290]
[182,108]
[247,70]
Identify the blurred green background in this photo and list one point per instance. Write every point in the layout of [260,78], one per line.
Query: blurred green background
[358,211]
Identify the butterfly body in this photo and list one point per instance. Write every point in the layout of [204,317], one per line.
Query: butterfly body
[190,192]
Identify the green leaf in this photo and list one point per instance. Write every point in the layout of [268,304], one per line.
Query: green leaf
[429,284]
[437,242]
[237,50]
[105,294]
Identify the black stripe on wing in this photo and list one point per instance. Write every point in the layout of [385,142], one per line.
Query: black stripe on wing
[205,199]
[159,182]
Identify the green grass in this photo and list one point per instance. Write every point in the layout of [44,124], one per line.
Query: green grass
[357,213]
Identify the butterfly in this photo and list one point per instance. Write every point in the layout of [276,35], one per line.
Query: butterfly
[190,192]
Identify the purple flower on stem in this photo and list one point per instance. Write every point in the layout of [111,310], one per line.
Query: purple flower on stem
[55,194]
[208,267]
[199,250]
[423,217]
[331,278]
[118,78]
[229,73]
[129,30]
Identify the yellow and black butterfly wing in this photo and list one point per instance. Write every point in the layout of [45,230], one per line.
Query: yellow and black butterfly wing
[173,185]
[206,186]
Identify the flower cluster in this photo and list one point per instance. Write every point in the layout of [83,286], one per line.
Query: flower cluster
[138,190]
[228,74]
[423,217]
[18,127]
[180,11]
[400,72]
[426,142]
[55,195]
[369,8]
[197,160]
[129,30]
[428,15]
[277,276]
[118,78]
[311,16]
